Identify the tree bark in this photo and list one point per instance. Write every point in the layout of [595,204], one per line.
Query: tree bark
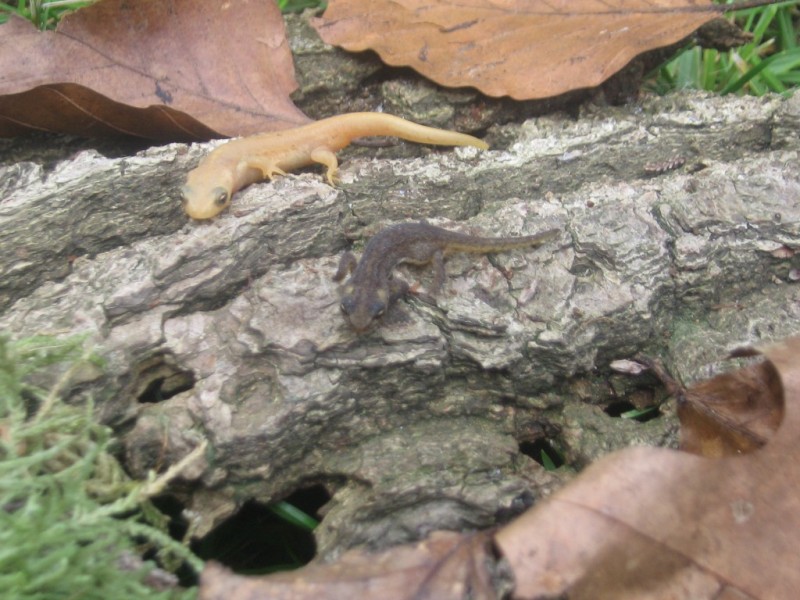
[230,330]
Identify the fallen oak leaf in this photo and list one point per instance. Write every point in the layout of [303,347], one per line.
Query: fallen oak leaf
[731,414]
[75,109]
[734,413]
[526,49]
[656,523]
[179,70]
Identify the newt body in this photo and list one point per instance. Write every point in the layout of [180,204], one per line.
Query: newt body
[239,163]
[371,289]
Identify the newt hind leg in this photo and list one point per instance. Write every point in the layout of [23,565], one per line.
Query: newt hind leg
[325,157]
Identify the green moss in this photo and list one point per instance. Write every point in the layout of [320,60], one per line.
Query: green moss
[72,524]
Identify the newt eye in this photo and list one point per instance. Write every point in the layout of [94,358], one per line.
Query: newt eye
[348,305]
[221,199]
[377,308]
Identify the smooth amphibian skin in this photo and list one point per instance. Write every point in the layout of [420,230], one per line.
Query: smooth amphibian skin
[372,289]
[239,163]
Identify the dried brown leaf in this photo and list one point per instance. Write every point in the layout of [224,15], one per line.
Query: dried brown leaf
[178,70]
[656,523]
[525,49]
[732,413]
[443,567]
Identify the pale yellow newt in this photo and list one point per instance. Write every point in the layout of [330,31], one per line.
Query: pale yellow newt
[239,163]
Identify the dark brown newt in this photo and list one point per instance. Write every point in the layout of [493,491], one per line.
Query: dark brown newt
[371,289]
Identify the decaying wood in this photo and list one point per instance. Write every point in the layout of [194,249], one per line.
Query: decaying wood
[231,331]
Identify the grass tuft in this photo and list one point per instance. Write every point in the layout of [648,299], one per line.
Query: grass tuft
[769,63]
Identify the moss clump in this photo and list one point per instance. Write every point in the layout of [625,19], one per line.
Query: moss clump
[72,524]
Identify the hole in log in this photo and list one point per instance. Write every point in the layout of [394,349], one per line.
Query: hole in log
[258,540]
[542,452]
[158,378]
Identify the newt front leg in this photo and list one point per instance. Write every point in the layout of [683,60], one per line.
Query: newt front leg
[267,166]
[347,264]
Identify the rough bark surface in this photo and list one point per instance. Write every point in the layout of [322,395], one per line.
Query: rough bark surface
[230,330]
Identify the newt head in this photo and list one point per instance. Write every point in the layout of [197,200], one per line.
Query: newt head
[204,200]
[204,204]
[362,305]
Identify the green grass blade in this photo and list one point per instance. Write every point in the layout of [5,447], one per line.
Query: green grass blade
[294,515]
[547,462]
[709,71]
[765,19]
[738,84]
[637,412]
[787,36]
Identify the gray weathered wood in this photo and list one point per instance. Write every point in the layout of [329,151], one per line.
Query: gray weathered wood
[417,424]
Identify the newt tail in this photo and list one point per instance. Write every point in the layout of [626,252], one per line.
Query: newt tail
[238,163]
